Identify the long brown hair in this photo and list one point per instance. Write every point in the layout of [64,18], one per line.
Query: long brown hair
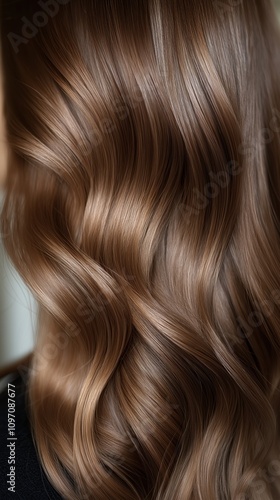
[142,209]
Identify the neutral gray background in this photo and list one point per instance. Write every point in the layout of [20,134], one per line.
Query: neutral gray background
[17,313]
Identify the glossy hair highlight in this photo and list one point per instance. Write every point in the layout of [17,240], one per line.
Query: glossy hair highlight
[142,210]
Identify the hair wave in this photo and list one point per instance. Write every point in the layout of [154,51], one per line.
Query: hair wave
[142,210]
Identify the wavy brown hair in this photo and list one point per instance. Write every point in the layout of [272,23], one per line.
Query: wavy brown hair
[142,210]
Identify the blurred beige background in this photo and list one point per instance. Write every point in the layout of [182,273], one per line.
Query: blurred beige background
[17,307]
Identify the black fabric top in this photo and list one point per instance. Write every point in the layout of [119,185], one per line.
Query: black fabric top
[31,482]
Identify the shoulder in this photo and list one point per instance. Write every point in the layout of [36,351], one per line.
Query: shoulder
[20,468]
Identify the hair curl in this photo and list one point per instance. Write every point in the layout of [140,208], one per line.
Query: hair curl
[142,210]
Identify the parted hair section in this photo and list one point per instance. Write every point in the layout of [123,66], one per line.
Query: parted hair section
[142,210]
